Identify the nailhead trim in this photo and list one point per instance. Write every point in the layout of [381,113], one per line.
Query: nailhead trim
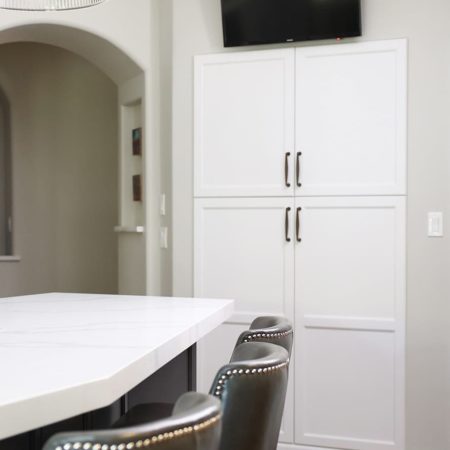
[250,337]
[256,371]
[142,442]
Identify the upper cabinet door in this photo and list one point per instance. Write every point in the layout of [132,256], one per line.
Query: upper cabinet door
[244,124]
[351,119]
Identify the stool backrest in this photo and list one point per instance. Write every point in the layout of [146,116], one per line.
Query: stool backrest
[252,388]
[194,425]
[272,329]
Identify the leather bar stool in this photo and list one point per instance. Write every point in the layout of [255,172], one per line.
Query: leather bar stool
[194,425]
[273,329]
[270,329]
[252,388]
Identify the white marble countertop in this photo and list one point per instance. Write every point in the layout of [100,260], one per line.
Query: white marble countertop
[62,355]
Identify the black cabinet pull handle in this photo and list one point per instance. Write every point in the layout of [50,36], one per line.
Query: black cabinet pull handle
[286,225]
[297,225]
[286,169]
[298,169]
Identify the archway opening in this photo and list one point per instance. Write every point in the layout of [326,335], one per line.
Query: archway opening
[102,53]
[63,86]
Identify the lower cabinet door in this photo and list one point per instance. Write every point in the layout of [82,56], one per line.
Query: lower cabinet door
[244,250]
[350,323]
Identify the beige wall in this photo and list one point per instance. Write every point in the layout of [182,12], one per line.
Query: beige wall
[3,162]
[64,150]
[165,77]
[197,29]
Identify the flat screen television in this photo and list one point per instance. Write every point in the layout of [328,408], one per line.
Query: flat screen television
[251,22]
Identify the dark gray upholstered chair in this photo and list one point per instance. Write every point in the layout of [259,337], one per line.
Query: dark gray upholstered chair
[252,388]
[194,425]
[269,329]
[273,329]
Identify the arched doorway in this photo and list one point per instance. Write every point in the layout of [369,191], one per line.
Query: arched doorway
[115,62]
[130,81]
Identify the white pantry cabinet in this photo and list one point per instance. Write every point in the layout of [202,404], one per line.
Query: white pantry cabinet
[328,251]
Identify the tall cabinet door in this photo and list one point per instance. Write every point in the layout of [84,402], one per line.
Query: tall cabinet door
[351,119]
[244,124]
[244,250]
[350,322]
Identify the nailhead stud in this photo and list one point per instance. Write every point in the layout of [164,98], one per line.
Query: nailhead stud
[250,337]
[140,443]
[230,373]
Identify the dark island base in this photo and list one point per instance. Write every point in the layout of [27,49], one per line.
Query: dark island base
[166,385]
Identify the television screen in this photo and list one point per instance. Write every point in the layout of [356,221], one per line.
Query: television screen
[250,22]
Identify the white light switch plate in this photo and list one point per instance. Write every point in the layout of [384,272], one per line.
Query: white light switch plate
[435,224]
[162,204]
[164,237]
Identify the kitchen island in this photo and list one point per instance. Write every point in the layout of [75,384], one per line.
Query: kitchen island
[65,356]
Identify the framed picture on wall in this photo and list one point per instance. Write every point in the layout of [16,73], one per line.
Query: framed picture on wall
[137,188]
[137,141]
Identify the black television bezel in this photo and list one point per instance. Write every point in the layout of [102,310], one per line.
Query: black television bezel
[228,44]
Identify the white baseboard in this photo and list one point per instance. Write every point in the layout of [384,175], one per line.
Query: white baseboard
[284,446]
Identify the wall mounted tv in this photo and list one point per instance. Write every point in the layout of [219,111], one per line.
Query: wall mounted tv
[250,22]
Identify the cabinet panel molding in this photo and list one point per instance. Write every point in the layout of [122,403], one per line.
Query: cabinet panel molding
[241,252]
[351,118]
[244,124]
[350,323]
